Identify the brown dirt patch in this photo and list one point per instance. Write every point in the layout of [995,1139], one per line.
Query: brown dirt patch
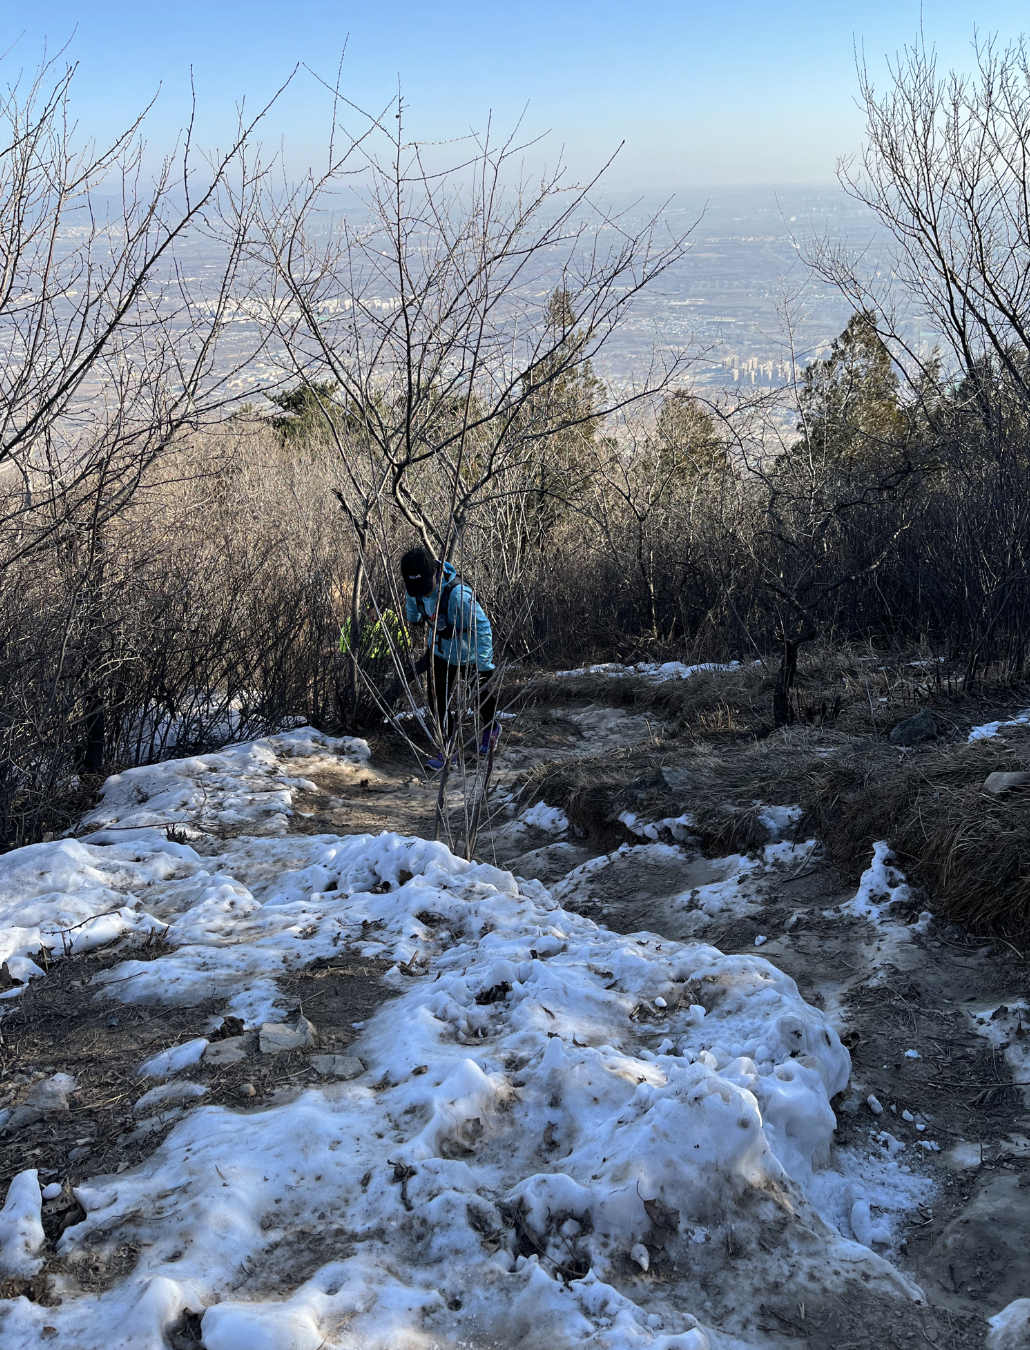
[57,1025]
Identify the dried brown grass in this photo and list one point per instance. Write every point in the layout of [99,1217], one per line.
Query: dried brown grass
[851,689]
[971,850]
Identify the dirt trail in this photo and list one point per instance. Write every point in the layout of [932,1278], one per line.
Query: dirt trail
[912,999]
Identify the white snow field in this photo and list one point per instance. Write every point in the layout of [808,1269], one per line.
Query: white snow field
[563,1135]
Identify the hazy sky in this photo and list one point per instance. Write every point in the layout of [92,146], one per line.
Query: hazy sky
[745,92]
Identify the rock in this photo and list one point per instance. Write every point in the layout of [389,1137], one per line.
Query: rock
[20,1117]
[921,727]
[999,783]
[47,1098]
[275,1037]
[337,1066]
[248,1090]
[229,1051]
[678,779]
[1010,1329]
[52,1093]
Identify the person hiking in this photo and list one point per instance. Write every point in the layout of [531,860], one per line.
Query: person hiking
[462,645]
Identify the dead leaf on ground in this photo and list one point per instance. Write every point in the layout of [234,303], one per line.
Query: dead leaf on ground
[662,1215]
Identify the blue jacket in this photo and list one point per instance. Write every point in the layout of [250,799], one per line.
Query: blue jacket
[472,642]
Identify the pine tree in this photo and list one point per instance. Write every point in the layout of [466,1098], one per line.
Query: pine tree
[850,414]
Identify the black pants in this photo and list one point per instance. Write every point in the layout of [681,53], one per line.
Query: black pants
[443,680]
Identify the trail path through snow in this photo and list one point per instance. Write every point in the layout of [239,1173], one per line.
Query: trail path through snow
[559,1132]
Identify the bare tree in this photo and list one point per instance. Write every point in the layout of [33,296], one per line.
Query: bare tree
[946,171]
[111,337]
[446,327]
[117,289]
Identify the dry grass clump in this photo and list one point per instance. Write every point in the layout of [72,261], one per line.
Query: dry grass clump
[720,784]
[734,701]
[970,849]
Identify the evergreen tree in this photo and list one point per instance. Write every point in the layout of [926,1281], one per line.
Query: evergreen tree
[850,414]
[557,425]
[688,441]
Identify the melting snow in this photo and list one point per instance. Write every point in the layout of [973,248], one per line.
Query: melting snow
[593,1101]
[550,818]
[657,671]
[1007,1028]
[990,729]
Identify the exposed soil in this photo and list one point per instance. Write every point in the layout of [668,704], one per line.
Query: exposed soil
[58,1025]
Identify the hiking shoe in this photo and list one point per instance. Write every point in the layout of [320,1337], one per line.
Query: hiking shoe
[488,740]
[437,762]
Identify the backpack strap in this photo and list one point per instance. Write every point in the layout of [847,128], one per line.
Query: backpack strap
[446,632]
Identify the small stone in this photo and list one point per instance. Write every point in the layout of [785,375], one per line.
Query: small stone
[337,1066]
[229,1051]
[874,1105]
[52,1191]
[640,1255]
[660,1003]
[921,727]
[999,783]
[276,1037]
[77,1154]
[248,1090]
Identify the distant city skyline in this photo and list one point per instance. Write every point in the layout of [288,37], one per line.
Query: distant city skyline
[752,93]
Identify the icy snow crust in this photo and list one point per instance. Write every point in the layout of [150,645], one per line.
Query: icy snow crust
[71,896]
[586,1104]
[658,672]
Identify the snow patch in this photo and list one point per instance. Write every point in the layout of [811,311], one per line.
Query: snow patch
[552,819]
[241,785]
[1007,1028]
[656,671]
[21,1229]
[990,729]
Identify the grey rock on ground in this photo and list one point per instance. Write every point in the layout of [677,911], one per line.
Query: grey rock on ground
[921,727]
[337,1066]
[1000,783]
[275,1037]
[47,1098]
[229,1051]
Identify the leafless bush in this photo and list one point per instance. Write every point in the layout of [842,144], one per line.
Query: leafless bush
[210,612]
